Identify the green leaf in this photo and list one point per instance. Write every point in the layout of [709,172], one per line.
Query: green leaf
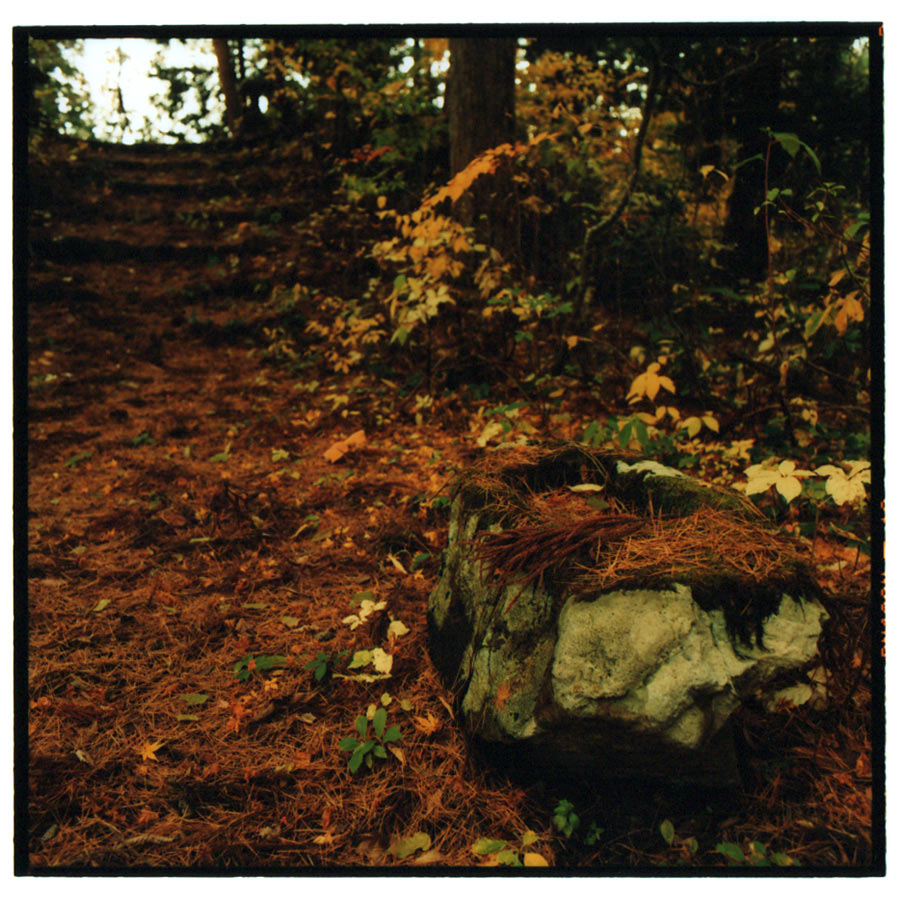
[790,142]
[379,720]
[360,658]
[379,751]
[356,760]
[508,858]
[392,734]
[77,458]
[219,457]
[418,560]
[782,859]
[484,846]
[269,662]
[241,664]
[732,851]
[667,830]
[406,846]
[186,717]
[348,744]
[278,455]
[362,725]
[195,699]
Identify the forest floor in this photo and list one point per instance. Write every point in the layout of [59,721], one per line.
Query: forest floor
[210,501]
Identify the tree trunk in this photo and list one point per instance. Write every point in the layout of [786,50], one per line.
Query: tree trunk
[481,109]
[745,229]
[228,84]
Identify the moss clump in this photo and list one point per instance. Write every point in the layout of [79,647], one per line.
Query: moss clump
[638,525]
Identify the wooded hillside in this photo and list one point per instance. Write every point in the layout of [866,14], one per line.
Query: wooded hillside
[258,361]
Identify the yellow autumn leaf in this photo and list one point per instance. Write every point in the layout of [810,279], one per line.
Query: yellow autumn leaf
[693,425]
[711,422]
[148,750]
[396,564]
[531,859]
[427,724]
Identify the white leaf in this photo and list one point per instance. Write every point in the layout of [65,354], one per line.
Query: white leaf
[761,483]
[397,629]
[382,661]
[585,488]
[789,488]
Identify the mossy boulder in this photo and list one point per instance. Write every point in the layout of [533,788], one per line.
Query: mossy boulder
[611,636]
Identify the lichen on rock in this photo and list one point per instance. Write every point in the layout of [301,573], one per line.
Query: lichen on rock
[616,632]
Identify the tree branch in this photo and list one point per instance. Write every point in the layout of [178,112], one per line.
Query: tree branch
[598,229]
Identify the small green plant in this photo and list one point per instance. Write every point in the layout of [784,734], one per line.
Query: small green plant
[245,666]
[565,820]
[323,661]
[501,853]
[364,749]
[594,833]
[688,846]
[141,439]
[756,855]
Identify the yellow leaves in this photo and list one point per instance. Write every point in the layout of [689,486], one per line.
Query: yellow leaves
[847,487]
[785,479]
[845,310]
[148,750]
[649,383]
[695,423]
[531,859]
[366,608]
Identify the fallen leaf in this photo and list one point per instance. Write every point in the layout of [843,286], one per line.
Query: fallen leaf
[326,838]
[382,661]
[428,857]
[396,564]
[398,753]
[406,846]
[427,724]
[148,751]
[534,859]
[195,699]
[396,629]
[336,451]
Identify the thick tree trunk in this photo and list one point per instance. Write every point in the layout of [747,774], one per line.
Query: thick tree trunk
[480,96]
[228,84]
[744,228]
[481,109]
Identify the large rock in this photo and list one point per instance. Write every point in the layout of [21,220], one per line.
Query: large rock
[634,681]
